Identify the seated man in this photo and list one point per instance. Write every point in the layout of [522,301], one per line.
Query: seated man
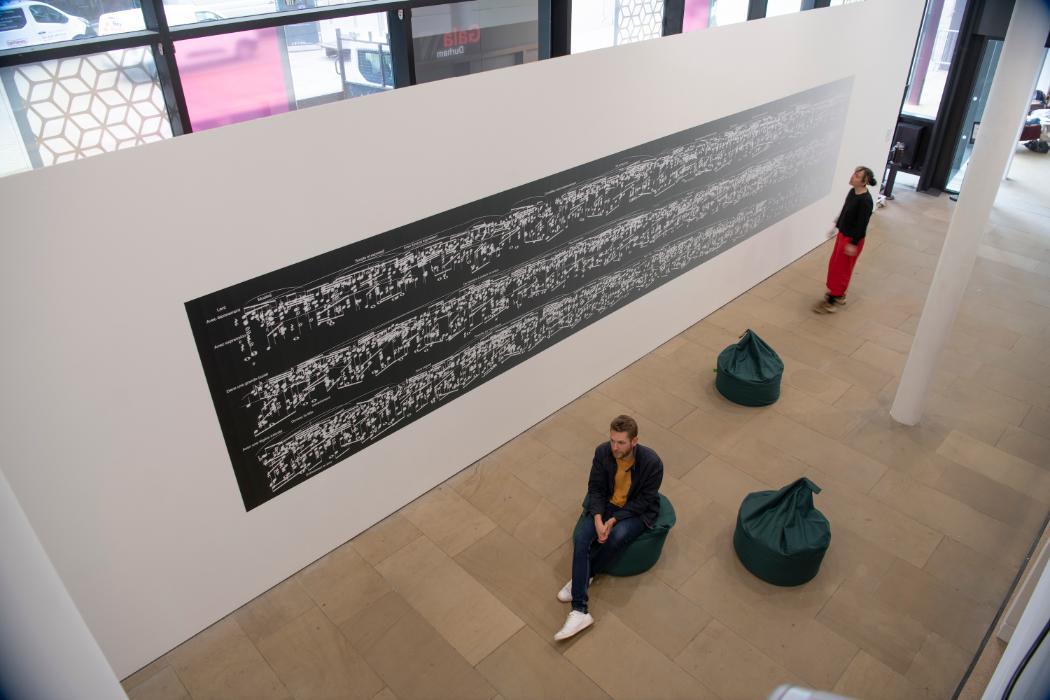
[624,493]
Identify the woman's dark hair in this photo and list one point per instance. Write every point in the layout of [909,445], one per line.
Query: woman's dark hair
[870,175]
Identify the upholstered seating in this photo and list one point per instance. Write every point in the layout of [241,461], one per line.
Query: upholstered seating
[643,553]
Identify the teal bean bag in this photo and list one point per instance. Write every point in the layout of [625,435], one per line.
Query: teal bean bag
[643,553]
[780,537]
[749,372]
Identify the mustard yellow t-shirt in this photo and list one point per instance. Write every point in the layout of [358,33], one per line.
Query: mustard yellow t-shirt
[622,482]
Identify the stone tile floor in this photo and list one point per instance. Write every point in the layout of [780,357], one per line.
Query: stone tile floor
[930,524]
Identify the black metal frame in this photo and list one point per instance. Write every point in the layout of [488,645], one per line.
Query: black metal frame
[555,28]
[555,20]
[160,38]
[402,53]
[952,108]
[674,16]
[674,12]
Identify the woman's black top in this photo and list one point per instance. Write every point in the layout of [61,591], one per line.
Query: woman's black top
[853,219]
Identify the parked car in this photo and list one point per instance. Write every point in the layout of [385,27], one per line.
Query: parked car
[132,20]
[192,54]
[25,23]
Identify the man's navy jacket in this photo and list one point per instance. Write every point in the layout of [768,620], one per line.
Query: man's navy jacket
[643,498]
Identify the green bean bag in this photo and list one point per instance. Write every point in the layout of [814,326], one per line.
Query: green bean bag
[749,372]
[780,537]
[643,553]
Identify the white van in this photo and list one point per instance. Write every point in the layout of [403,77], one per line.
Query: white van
[364,62]
[132,20]
[30,23]
[366,67]
[370,28]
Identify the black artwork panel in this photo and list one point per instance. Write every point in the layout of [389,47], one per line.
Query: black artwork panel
[314,362]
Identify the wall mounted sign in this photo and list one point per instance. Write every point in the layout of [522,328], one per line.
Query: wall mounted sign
[313,362]
[458,42]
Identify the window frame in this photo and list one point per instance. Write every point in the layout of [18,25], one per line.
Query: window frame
[160,38]
[555,23]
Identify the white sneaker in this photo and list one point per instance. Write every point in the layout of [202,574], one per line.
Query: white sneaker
[565,594]
[575,623]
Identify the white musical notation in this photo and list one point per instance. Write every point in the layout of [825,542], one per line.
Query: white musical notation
[366,420]
[286,315]
[457,317]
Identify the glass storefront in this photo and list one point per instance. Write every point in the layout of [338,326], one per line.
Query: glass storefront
[64,109]
[470,37]
[933,57]
[234,77]
[598,24]
[968,135]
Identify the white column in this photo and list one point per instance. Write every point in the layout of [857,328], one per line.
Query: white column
[46,650]
[1022,50]
[1024,118]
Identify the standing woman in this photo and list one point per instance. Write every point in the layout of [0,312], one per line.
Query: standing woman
[852,226]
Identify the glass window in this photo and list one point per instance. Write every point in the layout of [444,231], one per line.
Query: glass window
[597,24]
[181,11]
[933,57]
[728,12]
[697,15]
[782,7]
[233,77]
[190,14]
[30,23]
[974,112]
[61,110]
[45,14]
[131,20]
[120,21]
[471,37]
[239,76]
[701,14]
[12,18]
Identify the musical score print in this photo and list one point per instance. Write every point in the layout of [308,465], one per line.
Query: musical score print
[313,362]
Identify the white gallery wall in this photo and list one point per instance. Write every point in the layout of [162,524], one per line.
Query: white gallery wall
[109,437]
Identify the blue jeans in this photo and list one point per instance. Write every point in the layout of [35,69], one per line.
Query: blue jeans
[589,558]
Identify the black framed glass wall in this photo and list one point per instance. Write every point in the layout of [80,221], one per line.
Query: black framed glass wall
[82,77]
[228,78]
[597,24]
[456,39]
[703,14]
[119,75]
[933,57]
[967,136]
[57,110]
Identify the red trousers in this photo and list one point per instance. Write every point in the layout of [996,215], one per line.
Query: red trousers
[840,267]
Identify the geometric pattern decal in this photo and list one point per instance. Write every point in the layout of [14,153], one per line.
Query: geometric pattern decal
[86,105]
[638,20]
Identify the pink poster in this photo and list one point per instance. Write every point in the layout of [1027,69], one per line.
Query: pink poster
[697,15]
[233,77]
